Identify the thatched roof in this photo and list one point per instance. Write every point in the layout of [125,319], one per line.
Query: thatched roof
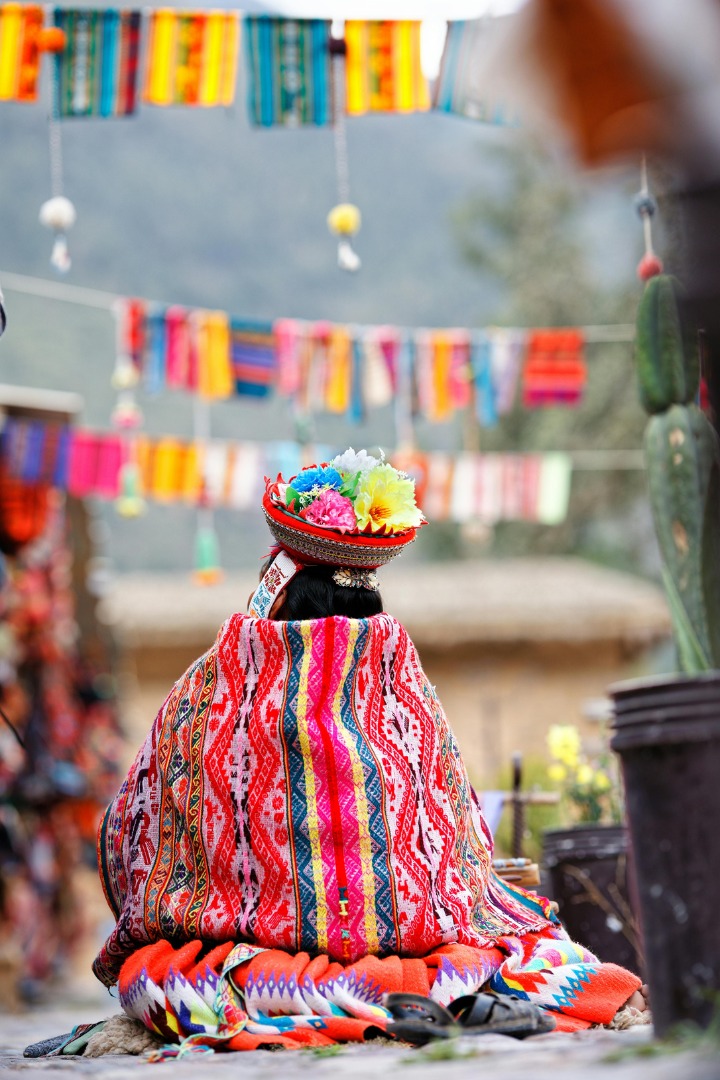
[442,604]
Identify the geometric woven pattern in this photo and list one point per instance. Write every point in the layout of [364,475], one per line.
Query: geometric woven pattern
[301,789]
[241,997]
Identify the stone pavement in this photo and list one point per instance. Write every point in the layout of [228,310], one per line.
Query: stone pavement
[592,1055]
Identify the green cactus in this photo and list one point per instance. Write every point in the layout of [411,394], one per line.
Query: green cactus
[682,455]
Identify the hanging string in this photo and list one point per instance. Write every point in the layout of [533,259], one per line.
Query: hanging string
[207,546]
[344,218]
[645,204]
[58,213]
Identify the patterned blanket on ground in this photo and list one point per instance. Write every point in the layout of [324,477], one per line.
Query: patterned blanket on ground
[242,997]
[301,788]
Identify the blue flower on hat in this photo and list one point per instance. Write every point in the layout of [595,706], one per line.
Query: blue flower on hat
[318,476]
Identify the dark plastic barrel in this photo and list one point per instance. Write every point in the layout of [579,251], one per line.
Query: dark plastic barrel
[667,733]
[587,874]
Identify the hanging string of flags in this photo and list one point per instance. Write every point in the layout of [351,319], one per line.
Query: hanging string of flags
[213,474]
[107,60]
[347,370]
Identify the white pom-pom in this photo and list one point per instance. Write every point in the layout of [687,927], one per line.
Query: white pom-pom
[347,258]
[60,258]
[58,213]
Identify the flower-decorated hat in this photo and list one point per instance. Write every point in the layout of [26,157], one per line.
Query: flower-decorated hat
[356,513]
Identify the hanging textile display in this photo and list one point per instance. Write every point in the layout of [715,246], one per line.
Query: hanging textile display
[96,72]
[191,57]
[253,357]
[212,473]
[497,487]
[460,86]
[289,71]
[555,371]
[328,367]
[20,29]
[383,72]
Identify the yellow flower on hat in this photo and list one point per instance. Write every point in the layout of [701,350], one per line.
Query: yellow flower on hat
[385,499]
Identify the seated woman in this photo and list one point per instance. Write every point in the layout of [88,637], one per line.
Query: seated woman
[298,837]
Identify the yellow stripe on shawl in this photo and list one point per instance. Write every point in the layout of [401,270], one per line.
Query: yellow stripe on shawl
[356,63]
[231,43]
[10,27]
[337,397]
[361,803]
[311,800]
[161,54]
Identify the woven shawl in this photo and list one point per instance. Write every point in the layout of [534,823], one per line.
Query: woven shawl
[301,789]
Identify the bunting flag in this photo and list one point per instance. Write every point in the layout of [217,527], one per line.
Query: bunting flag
[555,371]
[344,370]
[217,473]
[382,64]
[191,57]
[289,71]
[96,72]
[253,357]
[495,487]
[20,26]
[461,87]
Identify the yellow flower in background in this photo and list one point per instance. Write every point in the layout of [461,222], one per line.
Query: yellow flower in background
[602,781]
[585,775]
[557,772]
[386,499]
[563,741]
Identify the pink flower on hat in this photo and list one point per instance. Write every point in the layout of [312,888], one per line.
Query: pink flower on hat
[331,510]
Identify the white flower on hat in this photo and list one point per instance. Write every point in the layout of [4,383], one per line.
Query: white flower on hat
[353,462]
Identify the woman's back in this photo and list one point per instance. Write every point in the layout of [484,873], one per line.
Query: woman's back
[301,789]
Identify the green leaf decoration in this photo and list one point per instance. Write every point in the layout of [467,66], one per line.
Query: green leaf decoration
[349,488]
[291,497]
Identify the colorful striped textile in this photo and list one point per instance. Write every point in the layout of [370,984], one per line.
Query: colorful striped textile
[243,997]
[252,357]
[382,64]
[20,26]
[461,86]
[289,71]
[555,372]
[191,57]
[301,789]
[96,73]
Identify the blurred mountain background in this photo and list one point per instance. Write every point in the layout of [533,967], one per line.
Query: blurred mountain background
[463,225]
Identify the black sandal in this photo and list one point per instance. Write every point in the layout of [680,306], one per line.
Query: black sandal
[73,1042]
[418,1019]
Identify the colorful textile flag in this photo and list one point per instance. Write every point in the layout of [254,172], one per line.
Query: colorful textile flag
[289,71]
[96,73]
[20,26]
[191,57]
[382,65]
[252,357]
[555,371]
[460,87]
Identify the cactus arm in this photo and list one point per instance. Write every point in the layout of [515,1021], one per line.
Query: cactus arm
[692,657]
[679,450]
[664,373]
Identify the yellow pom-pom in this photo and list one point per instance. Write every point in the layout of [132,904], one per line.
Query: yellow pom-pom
[344,219]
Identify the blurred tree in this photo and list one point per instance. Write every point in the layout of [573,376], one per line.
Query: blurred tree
[529,234]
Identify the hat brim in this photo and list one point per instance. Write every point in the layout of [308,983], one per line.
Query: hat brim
[314,544]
